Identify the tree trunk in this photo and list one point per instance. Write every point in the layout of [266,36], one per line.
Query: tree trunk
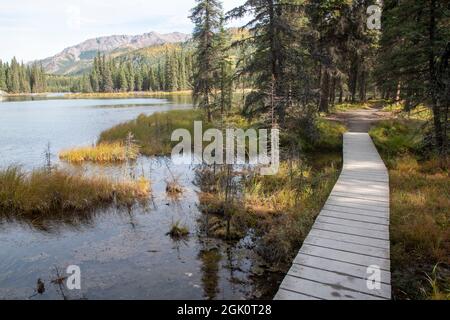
[362,87]
[325,92]
[433,80]
[333,91]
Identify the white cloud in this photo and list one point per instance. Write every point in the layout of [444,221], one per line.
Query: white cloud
[32,29]
[73,17]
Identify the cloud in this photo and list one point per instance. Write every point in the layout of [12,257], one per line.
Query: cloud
[31,29]
[73,14]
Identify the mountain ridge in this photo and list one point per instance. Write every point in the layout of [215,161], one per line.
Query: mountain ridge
[78,58]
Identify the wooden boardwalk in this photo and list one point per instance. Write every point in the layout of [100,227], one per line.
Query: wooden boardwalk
[350,234]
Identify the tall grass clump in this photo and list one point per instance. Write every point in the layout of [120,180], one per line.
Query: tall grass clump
[279,210]
[114,152]
[153,133]
[178,231]
[43,192]
[420,212]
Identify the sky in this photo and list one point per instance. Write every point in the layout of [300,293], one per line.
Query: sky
[36,29]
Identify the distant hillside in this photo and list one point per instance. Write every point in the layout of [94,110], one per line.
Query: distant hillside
[152,55]
[77,59]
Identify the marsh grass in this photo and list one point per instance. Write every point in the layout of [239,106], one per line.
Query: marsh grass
[282,208]
[279,210]
[178,231]
[44,193]
[420,212]
[153,133]
[115,152]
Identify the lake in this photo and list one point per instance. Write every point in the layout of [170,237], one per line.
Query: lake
[27,127]
[122,254]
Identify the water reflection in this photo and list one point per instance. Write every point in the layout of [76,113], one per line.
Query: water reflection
[210,268]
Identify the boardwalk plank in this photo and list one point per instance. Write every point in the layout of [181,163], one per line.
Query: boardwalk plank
[349,235]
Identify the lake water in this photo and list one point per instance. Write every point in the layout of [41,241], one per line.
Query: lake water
[27,127]
[122,254]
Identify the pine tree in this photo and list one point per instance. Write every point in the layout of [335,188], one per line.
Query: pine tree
[94,78]
[276,63]
[225,72]
[206,17]
[414,57]
[2,76]
[108,84]
[13,77]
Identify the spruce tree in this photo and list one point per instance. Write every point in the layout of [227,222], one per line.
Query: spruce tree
[413,60]
[276,63]
[206,16]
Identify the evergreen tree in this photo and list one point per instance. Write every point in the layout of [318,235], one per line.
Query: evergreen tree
[277,60]
[94,78]
[225,72]
[108,84]
[2,76]
[123,79]
[13,77]
[206,17]
[413,60]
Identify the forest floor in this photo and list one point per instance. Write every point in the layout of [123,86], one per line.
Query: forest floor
[360,120]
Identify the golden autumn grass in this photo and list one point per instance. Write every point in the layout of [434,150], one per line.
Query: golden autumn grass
[420,213]
[43,192]
[280,209]
[102,153]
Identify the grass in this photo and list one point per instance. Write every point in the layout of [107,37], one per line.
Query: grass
[342,107]
[283,207]
[114,152]
[420,212]
[322,135]
[280,209]
[173,188]
[178,231]
[398,136]
[418,113]
[152,133]
[43,192]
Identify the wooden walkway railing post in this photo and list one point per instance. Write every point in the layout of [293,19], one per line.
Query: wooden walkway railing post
[346,254]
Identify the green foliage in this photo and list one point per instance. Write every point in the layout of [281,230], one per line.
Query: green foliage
[207,18]
[19,78]
[420,212]
[152,133]
[414,59]
[397,137]
[160,68]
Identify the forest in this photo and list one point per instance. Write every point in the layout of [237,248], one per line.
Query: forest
[294,65]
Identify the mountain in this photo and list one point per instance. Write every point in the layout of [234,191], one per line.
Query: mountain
[79,58]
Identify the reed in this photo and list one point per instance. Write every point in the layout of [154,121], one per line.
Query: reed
[152,133]
[178,231]
[43,192]
[115,152]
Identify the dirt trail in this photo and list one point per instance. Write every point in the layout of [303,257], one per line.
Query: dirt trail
[360,120]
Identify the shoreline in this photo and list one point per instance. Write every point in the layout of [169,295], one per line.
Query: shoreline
[103,95]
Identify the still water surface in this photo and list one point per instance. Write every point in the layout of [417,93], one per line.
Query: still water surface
[123,254]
